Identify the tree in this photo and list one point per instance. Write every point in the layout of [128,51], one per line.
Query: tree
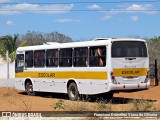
[10,43]
[38,38]
[154,49]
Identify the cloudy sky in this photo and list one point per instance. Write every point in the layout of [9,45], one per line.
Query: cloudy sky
[81,19]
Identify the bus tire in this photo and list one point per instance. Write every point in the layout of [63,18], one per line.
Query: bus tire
[72,91]
[29,89]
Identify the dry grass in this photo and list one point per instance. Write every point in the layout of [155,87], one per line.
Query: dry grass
[101,105]
[143,105]
[84,106]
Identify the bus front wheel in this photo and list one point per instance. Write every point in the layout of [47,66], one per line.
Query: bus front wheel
[29,89]
[72,91]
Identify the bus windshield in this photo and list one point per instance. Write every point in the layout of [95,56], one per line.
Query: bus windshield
[129,49]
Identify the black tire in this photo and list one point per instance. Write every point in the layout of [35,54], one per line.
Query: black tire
[72,91]
[29,89]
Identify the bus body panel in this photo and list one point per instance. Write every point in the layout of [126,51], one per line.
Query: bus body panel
[130,72]
[88,87]
[19,83]
[88,80]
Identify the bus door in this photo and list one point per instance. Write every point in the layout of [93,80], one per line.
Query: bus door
[129,61]
[19,63]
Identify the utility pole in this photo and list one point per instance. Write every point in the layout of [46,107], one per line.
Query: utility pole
[156,73]
[7,60]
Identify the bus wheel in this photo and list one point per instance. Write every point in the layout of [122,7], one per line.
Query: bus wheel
[29,89]
[72,91]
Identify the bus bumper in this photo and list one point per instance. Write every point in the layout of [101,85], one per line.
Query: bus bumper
[129,86]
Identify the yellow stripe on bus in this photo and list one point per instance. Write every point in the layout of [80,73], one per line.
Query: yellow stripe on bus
[130,72]
[65,74]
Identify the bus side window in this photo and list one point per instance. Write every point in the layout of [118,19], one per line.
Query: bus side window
[29,59]
[39,58]
[97,56]
[80,57]
[52,58]
[65,57]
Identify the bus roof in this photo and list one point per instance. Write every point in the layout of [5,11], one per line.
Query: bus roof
[94,42]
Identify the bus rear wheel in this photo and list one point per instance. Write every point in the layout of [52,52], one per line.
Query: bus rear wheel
[72,91]
[29,89]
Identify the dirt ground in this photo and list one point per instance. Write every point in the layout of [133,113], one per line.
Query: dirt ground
[15,100]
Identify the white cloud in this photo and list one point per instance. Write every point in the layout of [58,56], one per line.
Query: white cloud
[54,9]
[94,7]
[66,20]
[141,8]
[4,1]
[135,8]
[131,9]
[35,8]
[134,18]
[25,6]
[106,17]
[9,22]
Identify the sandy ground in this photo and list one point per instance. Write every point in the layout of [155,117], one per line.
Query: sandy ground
[15,100]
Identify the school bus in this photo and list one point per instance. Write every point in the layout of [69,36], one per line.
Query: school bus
[97,67]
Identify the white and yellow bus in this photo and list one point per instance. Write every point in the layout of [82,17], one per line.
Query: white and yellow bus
[97,67]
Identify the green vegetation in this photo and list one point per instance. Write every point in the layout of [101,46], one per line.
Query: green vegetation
[11,44]
[59,105]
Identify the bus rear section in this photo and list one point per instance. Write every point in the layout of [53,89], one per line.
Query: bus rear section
[129,65]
